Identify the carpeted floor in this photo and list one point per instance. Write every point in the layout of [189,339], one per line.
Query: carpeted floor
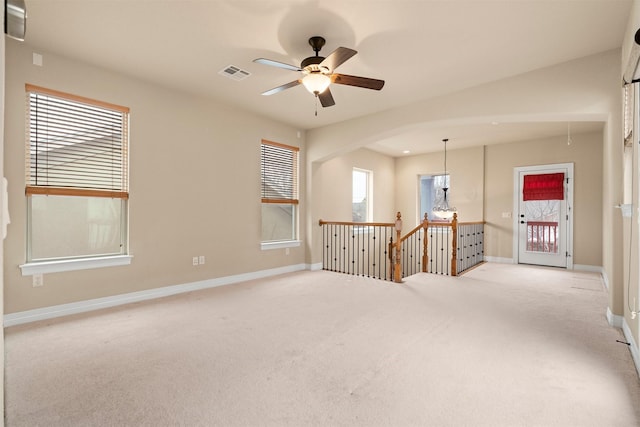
[503,345]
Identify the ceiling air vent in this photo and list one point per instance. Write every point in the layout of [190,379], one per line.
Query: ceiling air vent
[234,73]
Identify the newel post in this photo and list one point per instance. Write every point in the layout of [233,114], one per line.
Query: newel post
[397,268]
[425,241]
[454,245]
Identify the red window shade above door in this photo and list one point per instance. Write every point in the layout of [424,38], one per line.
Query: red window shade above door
[548,186]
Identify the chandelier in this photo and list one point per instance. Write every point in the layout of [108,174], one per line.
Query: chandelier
[442,208]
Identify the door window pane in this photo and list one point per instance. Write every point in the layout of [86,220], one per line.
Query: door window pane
[542,217]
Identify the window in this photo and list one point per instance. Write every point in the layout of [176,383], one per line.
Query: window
[279,181]
[431,194]
[77,177]
[361,196]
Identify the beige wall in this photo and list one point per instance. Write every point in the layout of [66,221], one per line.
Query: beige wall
[586,89]
[633,24]
[631,231]
[195,185]
[184,194]
[466,174]
[584,153]
[482,187]
[335,191]
[331,197]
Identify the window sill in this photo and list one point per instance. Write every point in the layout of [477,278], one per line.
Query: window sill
[280,245]
[58,266]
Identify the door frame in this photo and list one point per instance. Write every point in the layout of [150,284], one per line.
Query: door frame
[516,207]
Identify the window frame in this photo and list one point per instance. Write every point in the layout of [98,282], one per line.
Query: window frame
[369,193]
[77,187]
[438,195]
[271,196]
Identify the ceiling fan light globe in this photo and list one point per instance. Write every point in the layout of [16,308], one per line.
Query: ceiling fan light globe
[316,83]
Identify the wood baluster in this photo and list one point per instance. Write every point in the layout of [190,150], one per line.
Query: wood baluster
[397,271]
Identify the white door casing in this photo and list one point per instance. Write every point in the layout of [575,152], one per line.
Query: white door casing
[543,249]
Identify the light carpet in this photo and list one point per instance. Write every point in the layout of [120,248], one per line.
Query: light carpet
[503,345]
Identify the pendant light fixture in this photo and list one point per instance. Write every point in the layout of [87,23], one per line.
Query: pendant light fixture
[442,209]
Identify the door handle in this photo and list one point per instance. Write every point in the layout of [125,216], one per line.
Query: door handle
[523,222]
[521,215]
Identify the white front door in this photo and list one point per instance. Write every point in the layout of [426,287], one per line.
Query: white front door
[544,222]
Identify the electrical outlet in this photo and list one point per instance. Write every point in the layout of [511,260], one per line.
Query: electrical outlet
[38,280]
[201,259]
[195,260]
[286,251]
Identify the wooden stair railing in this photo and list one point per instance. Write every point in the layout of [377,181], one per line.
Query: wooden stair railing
[361,248]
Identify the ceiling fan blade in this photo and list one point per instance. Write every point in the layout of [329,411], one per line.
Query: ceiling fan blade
[282,87]
[277,64]
[337,57]
[326,99]
[365,82]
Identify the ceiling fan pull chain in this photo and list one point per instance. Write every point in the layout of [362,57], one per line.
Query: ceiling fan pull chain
[316,104]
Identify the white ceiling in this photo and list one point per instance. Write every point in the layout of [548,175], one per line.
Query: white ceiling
[421,48]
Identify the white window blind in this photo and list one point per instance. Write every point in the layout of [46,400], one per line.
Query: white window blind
[279,173]
[77,146]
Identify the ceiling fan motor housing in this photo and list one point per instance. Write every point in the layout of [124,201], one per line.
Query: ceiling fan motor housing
[312,62]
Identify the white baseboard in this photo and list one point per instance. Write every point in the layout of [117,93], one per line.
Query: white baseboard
[579,267]
[633,346]
[605,279]
[499,260]
[589,268]
[613,319]
[27,316]
[314,267]
[621,323]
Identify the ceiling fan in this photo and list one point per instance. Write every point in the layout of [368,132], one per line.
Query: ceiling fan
[319,73]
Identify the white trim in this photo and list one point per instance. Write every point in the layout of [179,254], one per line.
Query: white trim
[589,268]
[605,279]
[74,264]
[621,323]
[499,260]
[633,346]
[314,267]
[19,318]
[613,319]
[266,246]
[369,196]
[569,201]
[626,209]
